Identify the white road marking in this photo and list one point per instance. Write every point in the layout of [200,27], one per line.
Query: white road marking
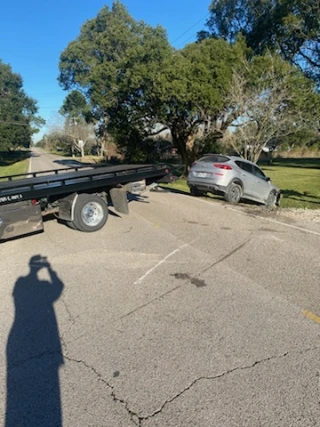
[261,217]
[162,261]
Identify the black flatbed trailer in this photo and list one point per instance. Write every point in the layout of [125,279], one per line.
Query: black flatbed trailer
[77,195]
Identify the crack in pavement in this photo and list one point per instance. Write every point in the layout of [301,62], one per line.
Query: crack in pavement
[193,279]
[230,371]
[138,420]
[148,303]
[133,416]
[72,319]
[236,249]
[117,319]
[201,283]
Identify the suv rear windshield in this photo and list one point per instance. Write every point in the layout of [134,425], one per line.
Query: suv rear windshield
[214,158]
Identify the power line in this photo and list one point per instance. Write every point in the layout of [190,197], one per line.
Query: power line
[190,28]
[186,40]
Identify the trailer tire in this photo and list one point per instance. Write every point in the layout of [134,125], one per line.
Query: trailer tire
[90,213]
[71,224]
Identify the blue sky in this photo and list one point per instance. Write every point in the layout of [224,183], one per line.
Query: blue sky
[33,33]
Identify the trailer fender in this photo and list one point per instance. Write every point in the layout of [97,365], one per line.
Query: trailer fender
[66,207]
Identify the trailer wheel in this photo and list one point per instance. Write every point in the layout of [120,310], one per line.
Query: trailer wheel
[71,224]
[90,213]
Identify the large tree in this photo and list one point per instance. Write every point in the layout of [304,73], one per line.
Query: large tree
[196,83]
[289,27]
[136,81]
[117,62]
[18,119]
[190,94]
[112,54]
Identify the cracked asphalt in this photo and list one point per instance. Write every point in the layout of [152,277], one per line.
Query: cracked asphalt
[183,313]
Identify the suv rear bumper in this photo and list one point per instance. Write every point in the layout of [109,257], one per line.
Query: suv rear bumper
[206,187]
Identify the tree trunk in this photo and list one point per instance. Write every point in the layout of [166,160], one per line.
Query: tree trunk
[256,155]
[102,149]
[181,145]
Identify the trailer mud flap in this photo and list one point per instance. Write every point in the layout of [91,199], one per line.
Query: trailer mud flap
[18,219]
[66,207]
[119,199]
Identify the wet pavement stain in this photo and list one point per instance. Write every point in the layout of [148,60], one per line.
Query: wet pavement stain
[199,283]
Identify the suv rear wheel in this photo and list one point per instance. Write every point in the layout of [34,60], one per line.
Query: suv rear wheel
[233,193]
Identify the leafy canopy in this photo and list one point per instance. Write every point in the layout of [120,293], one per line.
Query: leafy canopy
[75,105]
[289,27]
[136,84]
[135,80]
[17,111]
[112,54]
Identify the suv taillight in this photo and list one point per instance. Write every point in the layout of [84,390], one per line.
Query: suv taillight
[222,166]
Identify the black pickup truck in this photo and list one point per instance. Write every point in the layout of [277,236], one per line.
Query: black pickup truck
[78,196]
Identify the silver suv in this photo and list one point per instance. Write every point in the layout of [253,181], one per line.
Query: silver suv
[233,177]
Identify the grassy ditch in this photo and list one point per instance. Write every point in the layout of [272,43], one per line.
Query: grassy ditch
[13,163]
[298,179]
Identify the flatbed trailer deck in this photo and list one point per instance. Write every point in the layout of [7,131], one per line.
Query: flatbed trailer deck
[78,195]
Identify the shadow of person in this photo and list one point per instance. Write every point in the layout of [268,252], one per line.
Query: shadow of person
[34,351]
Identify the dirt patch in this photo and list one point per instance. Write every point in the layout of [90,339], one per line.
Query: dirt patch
[301,214]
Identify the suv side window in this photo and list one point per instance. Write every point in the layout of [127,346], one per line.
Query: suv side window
[245,166]
[258,172]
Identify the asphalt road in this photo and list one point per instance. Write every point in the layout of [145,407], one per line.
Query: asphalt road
[42,161]
[186,312]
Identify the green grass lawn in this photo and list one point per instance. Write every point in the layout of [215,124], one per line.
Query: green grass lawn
[298,179]
[13,163]
[15,168]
